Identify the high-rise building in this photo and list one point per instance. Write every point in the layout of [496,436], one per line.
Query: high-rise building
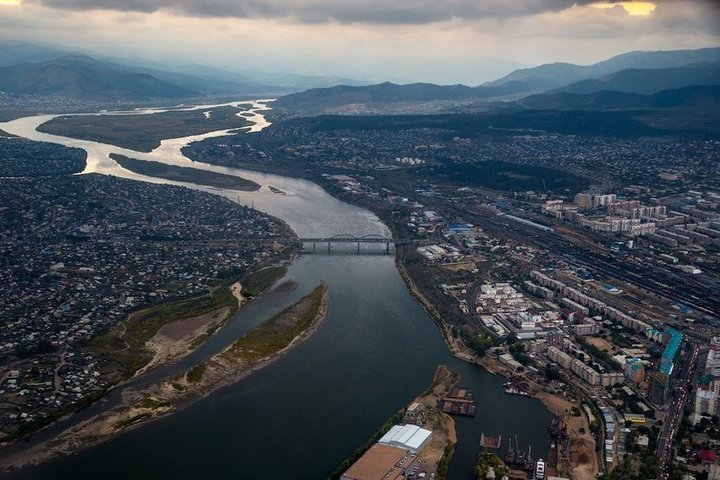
[705,402]
[658,388]
[583,200]
[634,370]
[555,339]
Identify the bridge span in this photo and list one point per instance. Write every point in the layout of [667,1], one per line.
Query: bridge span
[348,238]
[302,241]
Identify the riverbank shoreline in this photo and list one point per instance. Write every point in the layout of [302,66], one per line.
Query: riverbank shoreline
[142,406]
[218,319]
[440,450]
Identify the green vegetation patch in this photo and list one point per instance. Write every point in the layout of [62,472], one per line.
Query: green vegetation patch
[152,403]
[444,463]
[144,132]
[499,175]
[255,283]
[486,460]
[126,345]
[130,421]
[196,373]
[185,174]
[276,333]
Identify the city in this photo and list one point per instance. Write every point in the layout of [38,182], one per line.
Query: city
[354,240]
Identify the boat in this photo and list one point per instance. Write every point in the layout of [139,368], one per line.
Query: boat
[540,470]
[515,391]
[529,464]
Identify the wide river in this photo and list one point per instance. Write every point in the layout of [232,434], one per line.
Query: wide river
[300,416]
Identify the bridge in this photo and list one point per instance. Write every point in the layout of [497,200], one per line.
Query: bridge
[341,238]
[349,238]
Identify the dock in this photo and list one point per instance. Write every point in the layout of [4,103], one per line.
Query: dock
[459,401]
[490,441]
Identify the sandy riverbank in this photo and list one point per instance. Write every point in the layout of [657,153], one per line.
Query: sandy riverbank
[441,424]
[139,406]
[177,339]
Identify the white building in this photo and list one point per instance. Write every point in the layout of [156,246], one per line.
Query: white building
[409,437]
[705,401]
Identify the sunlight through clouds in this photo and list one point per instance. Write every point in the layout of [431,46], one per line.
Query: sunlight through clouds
[642,9]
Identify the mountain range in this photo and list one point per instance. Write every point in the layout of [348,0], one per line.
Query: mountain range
[641,73]
[666,79]
[82,77]
[46,70]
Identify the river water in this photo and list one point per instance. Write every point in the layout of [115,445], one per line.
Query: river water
[300,416]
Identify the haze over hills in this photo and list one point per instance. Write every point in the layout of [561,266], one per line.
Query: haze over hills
[702,96]
[40,70]
[328,98]
[84,78]
[694,67]
[555,75]
[46,70]
[649,81]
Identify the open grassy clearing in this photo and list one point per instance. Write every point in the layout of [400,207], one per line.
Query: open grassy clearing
[185,174]
[143,133]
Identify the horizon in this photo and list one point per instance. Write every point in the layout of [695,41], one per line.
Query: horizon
[463,44]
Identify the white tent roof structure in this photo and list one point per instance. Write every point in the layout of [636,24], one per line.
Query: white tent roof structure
[410,437]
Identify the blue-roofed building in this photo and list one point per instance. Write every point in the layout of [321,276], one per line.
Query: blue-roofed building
[459,228]
[672,346]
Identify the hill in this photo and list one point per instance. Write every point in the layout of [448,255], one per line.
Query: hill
[650,72]
[555,75]
[320,99]
[83,78]
[14,53]
[649,81]
[699,97]
[204,78]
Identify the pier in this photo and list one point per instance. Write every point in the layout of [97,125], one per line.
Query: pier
[460,401]
[490,441]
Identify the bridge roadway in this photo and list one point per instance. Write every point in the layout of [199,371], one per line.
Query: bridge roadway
[344,238]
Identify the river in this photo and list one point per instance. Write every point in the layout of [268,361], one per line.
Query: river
[300,416]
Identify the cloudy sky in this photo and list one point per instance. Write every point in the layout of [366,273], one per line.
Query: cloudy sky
[445,41]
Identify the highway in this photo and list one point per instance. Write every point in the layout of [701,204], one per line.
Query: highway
[678,397]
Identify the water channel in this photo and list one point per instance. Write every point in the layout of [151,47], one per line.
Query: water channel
[300,416]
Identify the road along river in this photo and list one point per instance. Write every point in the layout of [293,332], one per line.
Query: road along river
[300,416]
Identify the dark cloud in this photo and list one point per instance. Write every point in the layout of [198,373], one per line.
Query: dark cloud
[346,11]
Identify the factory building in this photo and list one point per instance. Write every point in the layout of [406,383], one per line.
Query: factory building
[409,437]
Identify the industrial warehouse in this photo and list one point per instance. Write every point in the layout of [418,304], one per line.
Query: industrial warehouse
[394,457]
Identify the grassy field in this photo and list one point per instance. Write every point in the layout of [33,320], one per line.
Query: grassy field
[125,344]
[185,174]
[143,132]
[255,283]
[276,333]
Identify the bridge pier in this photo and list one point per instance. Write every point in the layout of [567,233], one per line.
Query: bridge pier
[328,247]
[358,248]
[313,247]
[387,248]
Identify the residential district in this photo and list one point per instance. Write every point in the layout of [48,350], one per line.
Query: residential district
[78,255]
